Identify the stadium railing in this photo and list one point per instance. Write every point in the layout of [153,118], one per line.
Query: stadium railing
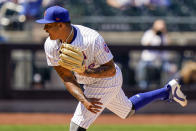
[8,91]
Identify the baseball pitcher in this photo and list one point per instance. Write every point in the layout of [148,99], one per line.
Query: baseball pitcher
[81,56]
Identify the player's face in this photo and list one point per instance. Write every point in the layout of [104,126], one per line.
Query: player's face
[53,30]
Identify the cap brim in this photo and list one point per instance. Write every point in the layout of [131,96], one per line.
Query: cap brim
[44,21]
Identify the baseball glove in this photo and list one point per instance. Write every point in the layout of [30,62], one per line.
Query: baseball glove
[71,58]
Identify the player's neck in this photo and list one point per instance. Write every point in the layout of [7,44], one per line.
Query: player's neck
[69,36]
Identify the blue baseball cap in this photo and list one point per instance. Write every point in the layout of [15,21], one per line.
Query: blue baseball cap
[55,14]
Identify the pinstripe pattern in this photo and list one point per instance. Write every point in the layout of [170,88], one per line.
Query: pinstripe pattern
[120,105]
[51,49]
[112,97]
[89,41]
[108,89]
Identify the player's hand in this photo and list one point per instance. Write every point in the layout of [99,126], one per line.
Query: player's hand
[93,105]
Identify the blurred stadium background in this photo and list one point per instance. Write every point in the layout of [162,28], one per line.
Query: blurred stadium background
[27,84]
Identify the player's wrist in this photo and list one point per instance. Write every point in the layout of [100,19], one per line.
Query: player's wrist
[83,100]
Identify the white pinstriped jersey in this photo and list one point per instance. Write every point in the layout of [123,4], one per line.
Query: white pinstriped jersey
[91,43]
[108,89]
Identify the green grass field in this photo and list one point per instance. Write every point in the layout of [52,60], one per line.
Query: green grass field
[101,128]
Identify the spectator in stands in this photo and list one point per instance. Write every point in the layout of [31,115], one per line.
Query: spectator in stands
[32,8]
[121,4]
[149,68]
[10,16]
[124,4]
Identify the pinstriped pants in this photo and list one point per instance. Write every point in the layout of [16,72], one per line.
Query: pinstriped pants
[112,97]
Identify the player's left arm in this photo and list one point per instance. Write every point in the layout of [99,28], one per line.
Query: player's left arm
[106,70]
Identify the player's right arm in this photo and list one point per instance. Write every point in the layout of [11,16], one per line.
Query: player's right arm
[92,104]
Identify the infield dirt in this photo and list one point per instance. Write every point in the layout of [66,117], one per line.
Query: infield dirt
[104,119]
